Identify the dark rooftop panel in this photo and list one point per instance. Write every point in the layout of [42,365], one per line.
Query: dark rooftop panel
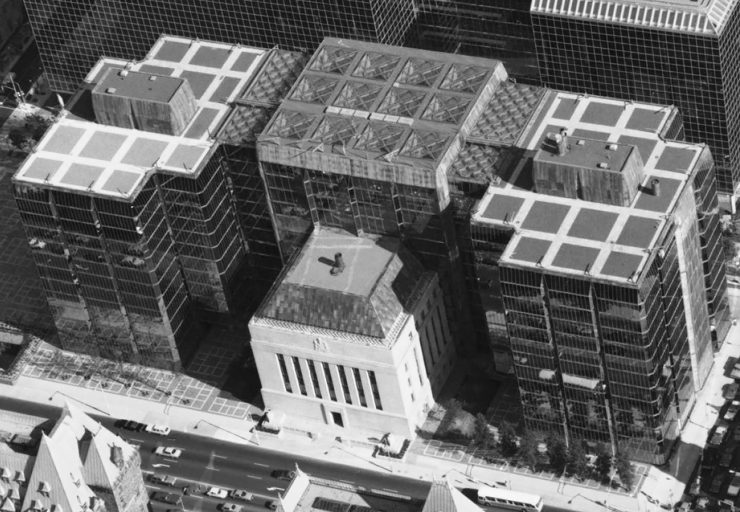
[525,181]
[575,257]
[172,51]
[201,123]
[530,250]
[81,175]
[545,217]
[243,61]
[121,181]
[638,232]
[602,113]
[199,82]
[63,139]
[103,145]
[42,169]
[621,264]
[185,156]
[144,152]
[224,89]
[503,207]
[647,201]
[593,224]
[589,134]
[676,159]
[644,146]
[645,120]
[210,57]
[565,108]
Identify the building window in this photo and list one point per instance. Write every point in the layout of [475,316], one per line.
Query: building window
[284,373]
[314,378]
[376,393]
[299,376]
[345,384]
[360,388]
[418,365]
[329,381]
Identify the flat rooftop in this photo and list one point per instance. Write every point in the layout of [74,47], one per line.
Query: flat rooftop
[80,155]
[590,154]
[135,84]
[573,236]
[365,261]
[698,16]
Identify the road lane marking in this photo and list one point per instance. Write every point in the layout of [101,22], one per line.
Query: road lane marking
[220,456]
[255,477]
[136,440]
[260,464]
[389,490]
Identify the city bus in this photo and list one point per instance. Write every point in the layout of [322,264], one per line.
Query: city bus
[504,499]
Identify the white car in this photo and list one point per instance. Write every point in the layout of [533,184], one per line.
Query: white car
[732,410]
[162,430]
[217,492]
[168,451]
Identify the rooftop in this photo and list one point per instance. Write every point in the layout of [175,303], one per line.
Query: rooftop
[80,155]
[369,302]
[590,154]
[380,105]
[134,84]
[698,16]
[573,236]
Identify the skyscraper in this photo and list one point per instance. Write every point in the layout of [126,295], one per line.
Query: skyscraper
[500,29]
[73,34]
[677,52]
[127,207]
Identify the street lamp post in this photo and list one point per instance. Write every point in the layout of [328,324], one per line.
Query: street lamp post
[51,398]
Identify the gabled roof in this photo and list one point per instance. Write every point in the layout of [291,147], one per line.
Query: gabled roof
[443,497]
[376,287]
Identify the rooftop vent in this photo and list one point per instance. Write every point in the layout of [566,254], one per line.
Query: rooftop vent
[655,187]
[603,165]
[152,78]
[116,456]
[581,142]
[111,90]
[123,72]
[338,266]
[612,147]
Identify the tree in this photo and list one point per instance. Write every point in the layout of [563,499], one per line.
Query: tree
[529,450]
[603,462]
[507,439]
[625,471]
[481,433]
[556,452]
[577,463]
[19,139]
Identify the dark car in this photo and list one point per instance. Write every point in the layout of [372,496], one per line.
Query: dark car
[194,489]
[163,479]
[172,499]
[133,425]
[283,474]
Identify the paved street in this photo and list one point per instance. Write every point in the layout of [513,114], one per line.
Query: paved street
[232,466]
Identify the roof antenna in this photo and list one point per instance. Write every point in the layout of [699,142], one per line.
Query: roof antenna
[338,266]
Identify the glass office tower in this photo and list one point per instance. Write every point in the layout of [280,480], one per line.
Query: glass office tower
[73,34]
[500,30]
[667,52]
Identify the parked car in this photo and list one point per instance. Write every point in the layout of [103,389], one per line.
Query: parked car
[132,425]
[231,507]
[726,459]
[719,435]
[163,479]
[162,430]
[217,492]
[168,451]
[271,504]
[283,474]
[241,494]
[164,497]
[194,489]
[716,484]
[732,410]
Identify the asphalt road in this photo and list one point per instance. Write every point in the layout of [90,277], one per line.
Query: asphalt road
[232,466]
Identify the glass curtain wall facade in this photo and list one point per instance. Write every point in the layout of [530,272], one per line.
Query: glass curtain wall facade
[127,281]
[591,357]
[698,72]
[481,28]
[73,34]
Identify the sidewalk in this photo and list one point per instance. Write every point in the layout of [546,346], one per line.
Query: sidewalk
[206,413]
